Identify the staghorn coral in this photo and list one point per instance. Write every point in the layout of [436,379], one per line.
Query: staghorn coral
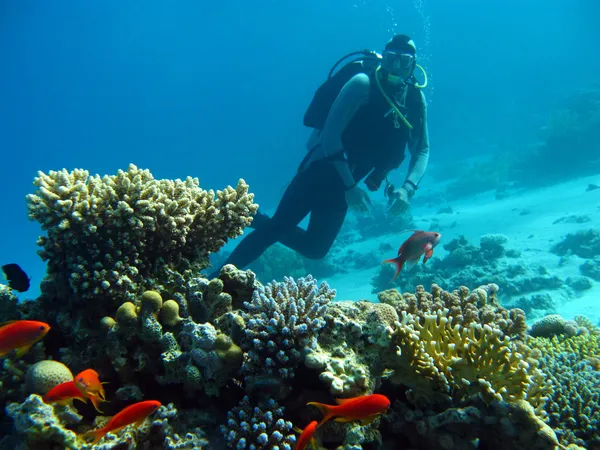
[283,321]
[465,307]
[574,407]
[450,363]
[109,235]
[258,427]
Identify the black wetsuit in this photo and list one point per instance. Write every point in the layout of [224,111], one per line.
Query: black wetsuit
[360,128]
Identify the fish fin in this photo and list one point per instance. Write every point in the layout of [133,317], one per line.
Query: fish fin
[21,351]
[97,435]
[344,419]
[341,401]
[410,263]
[325,410]
[8,322]
[428,254]
[95,401]
[140,422]
[298,430]
[369,420]
[398,262]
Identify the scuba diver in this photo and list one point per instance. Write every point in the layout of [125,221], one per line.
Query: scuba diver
[363,117]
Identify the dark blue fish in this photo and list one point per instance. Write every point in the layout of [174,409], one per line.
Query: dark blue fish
[17,278]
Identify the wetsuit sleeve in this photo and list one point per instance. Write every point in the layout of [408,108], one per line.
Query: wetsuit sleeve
[419,152]
[353,95]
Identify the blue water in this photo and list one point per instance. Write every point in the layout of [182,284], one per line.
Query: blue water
[217,90]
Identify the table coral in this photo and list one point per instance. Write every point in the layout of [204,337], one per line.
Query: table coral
[105,235]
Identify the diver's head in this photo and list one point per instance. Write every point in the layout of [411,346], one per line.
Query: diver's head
[399,58]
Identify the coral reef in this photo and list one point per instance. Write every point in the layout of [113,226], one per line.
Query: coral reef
[283,321]
[37,424]
[574,407]
[470,265]
[585,244]
[465,307]
[258,427]
[108,236]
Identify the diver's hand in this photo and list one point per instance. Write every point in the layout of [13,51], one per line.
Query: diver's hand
[358,199]
[399,202]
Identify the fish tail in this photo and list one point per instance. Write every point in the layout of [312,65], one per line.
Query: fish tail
[325,410]
[398,261]
[96,435]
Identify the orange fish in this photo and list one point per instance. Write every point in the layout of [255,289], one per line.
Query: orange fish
[136,413]
[64,394]
[419,243]
[365,408]
[90,386]
[306,436]
[21,335]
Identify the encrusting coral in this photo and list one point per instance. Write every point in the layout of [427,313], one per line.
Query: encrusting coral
[109,236]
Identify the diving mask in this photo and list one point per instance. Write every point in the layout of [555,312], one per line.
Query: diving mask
[400,64]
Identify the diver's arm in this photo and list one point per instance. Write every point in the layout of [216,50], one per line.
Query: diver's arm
[419,154]
[353,95]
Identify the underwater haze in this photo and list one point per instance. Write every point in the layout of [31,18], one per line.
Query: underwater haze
[455,310]
[217,90]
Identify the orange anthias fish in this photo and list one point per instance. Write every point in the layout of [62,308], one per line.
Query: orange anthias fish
[365,408]
[21,335]
[64,394]
[306,436]
[136,413]
[419,243]
[89,385]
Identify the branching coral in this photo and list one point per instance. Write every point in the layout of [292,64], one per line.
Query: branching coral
[465,307]
[109,235]
[282,325]
[574,407]
[256,427]
[437,358]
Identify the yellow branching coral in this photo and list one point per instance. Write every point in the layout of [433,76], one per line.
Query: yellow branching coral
[436,356]
[108,235]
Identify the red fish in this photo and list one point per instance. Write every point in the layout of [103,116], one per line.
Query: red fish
[306,436]
[21,335]
[365,408]
[89,385]
[136,413]
[419,243]
[64,394]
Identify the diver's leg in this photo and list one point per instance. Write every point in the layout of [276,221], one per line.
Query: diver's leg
[328,210]
[326,219]
[293,207]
